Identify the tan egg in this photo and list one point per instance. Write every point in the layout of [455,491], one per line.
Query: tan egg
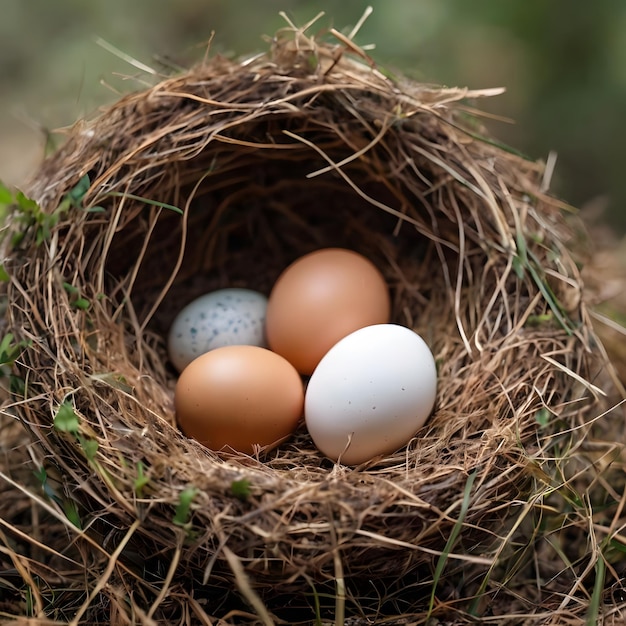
[319,299]
[238,397]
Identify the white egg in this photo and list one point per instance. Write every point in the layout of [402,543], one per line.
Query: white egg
[370,393]
[225,317]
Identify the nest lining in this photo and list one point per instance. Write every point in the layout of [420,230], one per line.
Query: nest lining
[268,160]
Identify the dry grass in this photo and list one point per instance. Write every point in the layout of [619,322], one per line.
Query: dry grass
[504,507]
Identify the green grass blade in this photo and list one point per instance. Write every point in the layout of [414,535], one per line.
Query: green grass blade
[441,562]
[549,296]
[593,611]
[161,205]
[526,260]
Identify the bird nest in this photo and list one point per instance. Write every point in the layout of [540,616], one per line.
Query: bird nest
[220,177]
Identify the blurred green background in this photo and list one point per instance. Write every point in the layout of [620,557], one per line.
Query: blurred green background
[563,64]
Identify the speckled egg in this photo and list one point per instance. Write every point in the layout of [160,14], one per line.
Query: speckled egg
[226,317]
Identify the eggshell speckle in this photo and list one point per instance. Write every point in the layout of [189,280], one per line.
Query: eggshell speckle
[221,318]
[370,393]
[238,397]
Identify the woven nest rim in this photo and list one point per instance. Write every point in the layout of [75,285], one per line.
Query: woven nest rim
[501,310]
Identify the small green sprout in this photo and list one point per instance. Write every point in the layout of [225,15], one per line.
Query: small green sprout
[6,197]
[69,506]
[31,216]
[141,479]
[76,300]
[66,420]
[71,512]
[241,489]
[81,303]
[10,351]
[539,320]
[42,476]
[183,508]
[542,417]
[89,446]
[76,195]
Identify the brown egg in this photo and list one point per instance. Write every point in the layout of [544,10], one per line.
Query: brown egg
[239,396]
[319,299]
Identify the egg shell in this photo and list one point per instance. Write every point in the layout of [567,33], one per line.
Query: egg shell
[320,298]
[238,397]
[370,393]
[225,317]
